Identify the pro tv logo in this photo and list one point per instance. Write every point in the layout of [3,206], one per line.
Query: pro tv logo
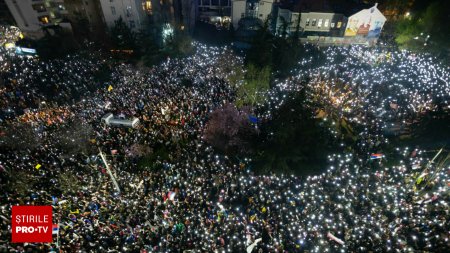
[31,224]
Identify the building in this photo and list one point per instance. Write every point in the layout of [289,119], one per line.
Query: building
[185,14]
[133,13]
[328,24]
[215,11]
[311,23]
[32,16]
[365,23]
[257,9]
[85,14]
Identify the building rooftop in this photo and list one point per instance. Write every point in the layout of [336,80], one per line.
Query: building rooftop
[346,7]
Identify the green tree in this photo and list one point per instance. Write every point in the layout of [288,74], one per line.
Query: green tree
[56,43]
[293,140]
[254,89]
[68,183]
[122,37]
[179,45]
[229,63]
[19,136]
[260,53]
[427,30]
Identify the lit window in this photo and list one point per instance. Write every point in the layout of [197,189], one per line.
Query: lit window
[44,20]
[339,24]
[332,25]
[147,6]
[307,22]
[326,22]
[320,23]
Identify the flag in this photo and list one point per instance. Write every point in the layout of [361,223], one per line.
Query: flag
[253,245]
[334,238]
[54,200]
[171,195]
[55,229]
[110,88]
[38,166]
[376,156]
[421,177]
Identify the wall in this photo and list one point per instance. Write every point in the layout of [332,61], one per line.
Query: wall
[366,23]
[237,10]
[26,18]
[265,8]
[27,14]
[90,10]
[322,19]
[131,12]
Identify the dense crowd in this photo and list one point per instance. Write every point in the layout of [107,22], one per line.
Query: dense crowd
[194,200]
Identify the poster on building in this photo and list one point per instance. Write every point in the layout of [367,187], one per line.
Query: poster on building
[366,23]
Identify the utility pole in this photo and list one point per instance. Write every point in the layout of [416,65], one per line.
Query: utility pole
[109,171]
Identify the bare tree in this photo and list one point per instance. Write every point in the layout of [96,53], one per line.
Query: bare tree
[230,130]
[73,138]
[139,150]
[19,136]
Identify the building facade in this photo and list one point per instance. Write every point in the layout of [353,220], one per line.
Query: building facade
[259,9]
[132,13]
[214,11]
[32,16]
[365,23]
[82,13]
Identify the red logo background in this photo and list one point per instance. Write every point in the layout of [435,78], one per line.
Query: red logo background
[36,236]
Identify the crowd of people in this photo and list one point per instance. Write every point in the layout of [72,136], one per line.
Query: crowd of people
[192,199]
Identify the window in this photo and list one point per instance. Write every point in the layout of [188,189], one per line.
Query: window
[43,19]
[332,25]
[113,10]
[320,23]
[326,22]
[260,15]
[307,22]
[148,7]
[339,24]
[132,25]
[313,22]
